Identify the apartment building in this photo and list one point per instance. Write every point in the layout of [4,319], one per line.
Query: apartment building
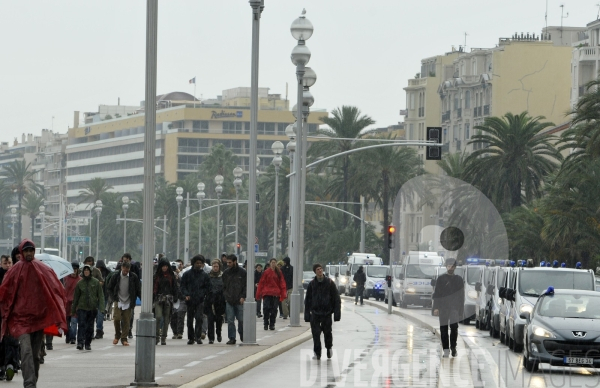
[186,129]
[585,60]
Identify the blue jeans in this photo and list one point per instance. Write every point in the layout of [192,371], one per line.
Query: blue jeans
[234,312]
[72,334]
[100,321]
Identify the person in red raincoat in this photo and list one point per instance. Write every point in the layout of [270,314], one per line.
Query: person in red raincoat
[31,300]
[272,290]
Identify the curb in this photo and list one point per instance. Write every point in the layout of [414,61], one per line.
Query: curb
[238,368]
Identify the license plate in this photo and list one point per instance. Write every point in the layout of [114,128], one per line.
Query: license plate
[578,360]
[424,297]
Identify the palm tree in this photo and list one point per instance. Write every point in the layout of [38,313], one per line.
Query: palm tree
[514,161]
[20,176]
[93,191]
[586,120]
[382,173]
[346,124]
[5,199]
[454,165]
[31,205]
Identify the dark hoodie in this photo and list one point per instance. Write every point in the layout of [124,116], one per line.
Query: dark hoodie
[215,299]
[88,293]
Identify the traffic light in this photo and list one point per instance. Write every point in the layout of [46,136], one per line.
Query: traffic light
[239,248]
[391,231]
[434,152]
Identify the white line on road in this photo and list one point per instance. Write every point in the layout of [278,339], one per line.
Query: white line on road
[209,357]
[193,363]
[174,371]
[224,352]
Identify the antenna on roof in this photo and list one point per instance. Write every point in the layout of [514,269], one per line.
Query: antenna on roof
[465,46]
[598,15]
[562,10]
[546,16]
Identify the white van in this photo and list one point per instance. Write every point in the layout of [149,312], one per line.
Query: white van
[415,279]
[376,285]
[355,260]
[50,251]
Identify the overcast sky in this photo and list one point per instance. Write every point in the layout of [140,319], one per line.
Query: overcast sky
[65,55]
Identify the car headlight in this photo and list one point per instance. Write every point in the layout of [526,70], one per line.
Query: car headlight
[410,290]
[397,285]
[353,284]
[499,301]
[541,332]
[525,308]
[343,280]
[472,294]
[370,283]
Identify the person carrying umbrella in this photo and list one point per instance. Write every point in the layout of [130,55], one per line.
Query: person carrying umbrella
[40,305]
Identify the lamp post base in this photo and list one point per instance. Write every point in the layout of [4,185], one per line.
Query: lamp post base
[301,291]
[249,324]
[145,351]
[295,303]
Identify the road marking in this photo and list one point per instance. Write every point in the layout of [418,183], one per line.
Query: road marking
[209,357]
[174,371]
[193,363]
[224,352]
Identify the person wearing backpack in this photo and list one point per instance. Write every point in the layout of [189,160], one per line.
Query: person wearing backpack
[214,306]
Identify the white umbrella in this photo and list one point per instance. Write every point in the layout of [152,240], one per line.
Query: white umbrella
[60,266]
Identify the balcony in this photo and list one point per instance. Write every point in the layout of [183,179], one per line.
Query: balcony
[459,113]
[588,54]
[486,110]
[446,116]
[417,82]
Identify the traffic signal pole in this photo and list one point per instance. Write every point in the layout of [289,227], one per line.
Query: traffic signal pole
[391,232]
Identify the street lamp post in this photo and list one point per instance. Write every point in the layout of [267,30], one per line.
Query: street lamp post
[237,183]
[70,212]
[200,196]
[43,216]
[250,303]
[301,30]
[179,198]
[125,206]
[98,210]
[291,147]
[219,189]
[186,233]
[277,149]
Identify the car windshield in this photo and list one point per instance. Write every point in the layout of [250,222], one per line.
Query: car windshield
[570,306]
[534,283]
[420,271]
[501,277]
[343,269]
[308,275]
[473,275]
[460,271]
[376,272]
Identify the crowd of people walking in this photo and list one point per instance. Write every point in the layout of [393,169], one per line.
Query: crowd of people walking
[210,294]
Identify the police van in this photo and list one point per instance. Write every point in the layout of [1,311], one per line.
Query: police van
[418,268]
[355,260]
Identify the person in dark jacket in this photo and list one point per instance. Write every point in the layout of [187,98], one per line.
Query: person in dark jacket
[288,275]
[234,287]
[195,284]
[258,272]
[448,304]
[322,299]
[164,294]
[87,301]
[124,289]
[360,278]
[104,272]
[214,308]
[70,282]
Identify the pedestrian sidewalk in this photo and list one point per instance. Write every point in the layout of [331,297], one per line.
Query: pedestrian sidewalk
[453,371]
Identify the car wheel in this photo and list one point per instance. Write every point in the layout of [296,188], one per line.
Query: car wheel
[516,347]
[394,301]
[466,321]
[502,337]
[403,304]
[530,364]
[477,326]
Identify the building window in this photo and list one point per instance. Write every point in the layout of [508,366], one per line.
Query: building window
[467,131]
[411,134]
[468,99]
[200,126]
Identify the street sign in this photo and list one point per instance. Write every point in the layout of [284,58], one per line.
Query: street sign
[78,239]
[255,248]
[261,254]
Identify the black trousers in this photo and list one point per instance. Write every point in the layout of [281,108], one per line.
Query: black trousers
[360,290]
[86,320]
[270,304]
[215,322]
[321,324]
[194,311]
[448,318]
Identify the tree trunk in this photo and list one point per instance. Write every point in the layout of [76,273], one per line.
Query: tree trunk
[20,225]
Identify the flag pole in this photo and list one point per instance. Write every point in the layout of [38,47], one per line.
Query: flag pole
[194,92]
